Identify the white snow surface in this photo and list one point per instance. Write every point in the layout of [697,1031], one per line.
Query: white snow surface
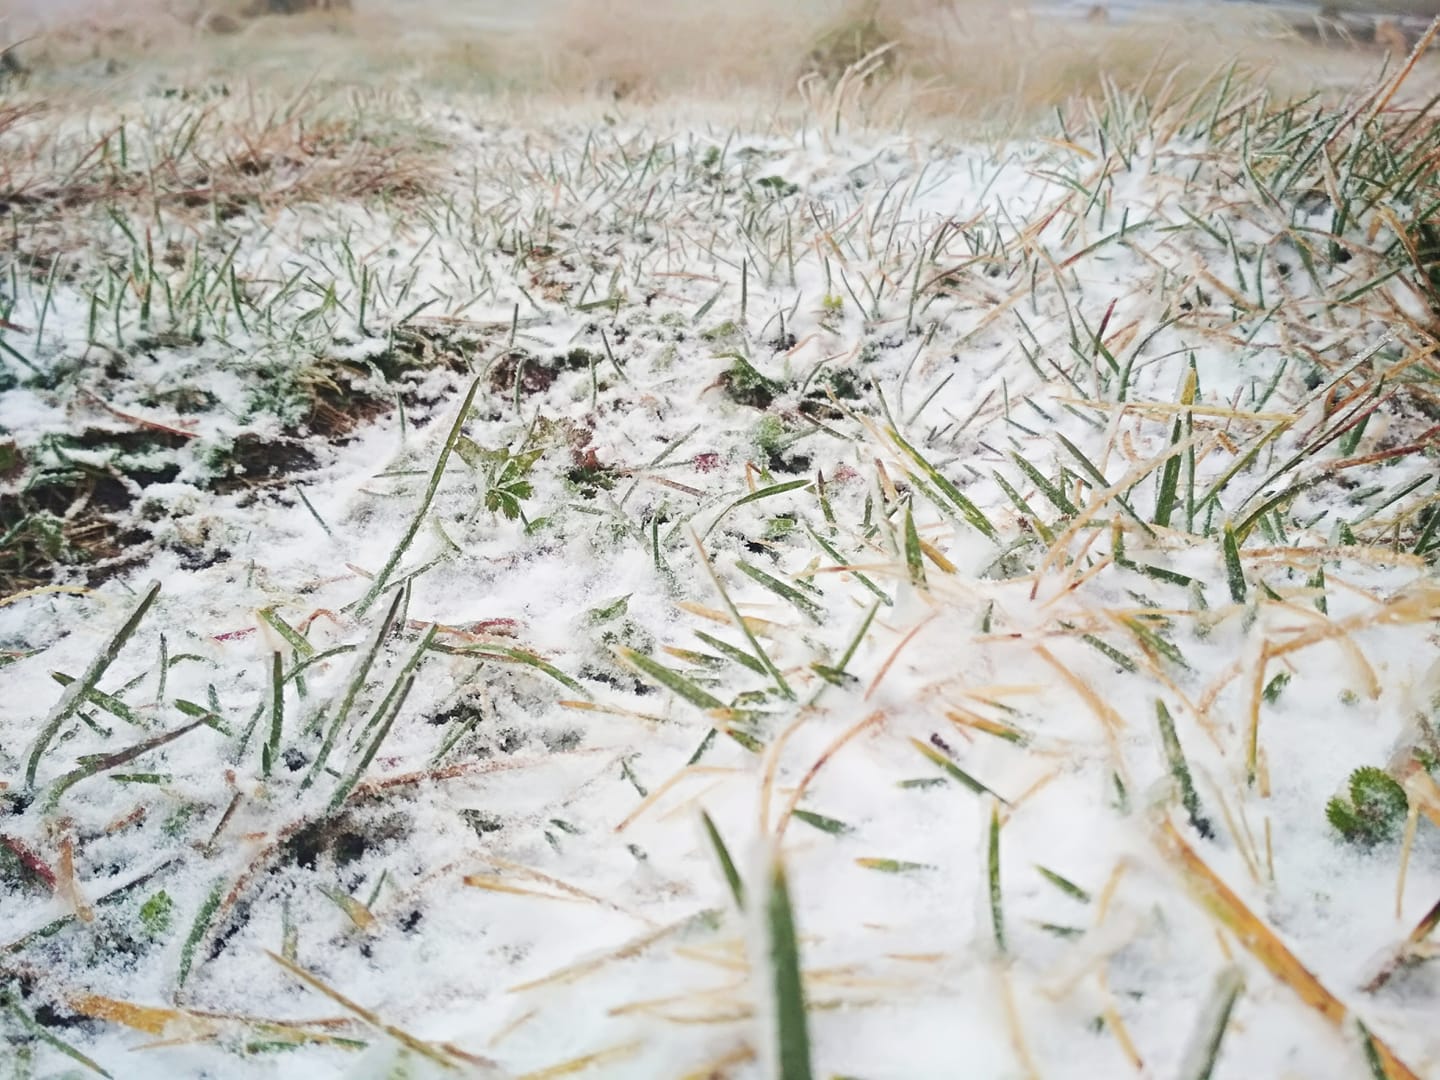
[582,796]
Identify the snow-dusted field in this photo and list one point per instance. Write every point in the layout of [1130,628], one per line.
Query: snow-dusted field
[1012,548]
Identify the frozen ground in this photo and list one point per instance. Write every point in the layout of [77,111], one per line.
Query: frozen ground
[1021,544]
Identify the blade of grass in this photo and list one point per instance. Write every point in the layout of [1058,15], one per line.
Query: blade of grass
[968,510]
[1234,572]
[388,711]
[739,620]
[754,496]
[198,930]
[791,1030]
[39,1031]
[727,864]
[787,592]
[76,693]
[271,750]
[672,680]
[98,763]
[992,874]
[358,675]
[955,771]
[382,579]
[1180,771]
[914,557]
[1204,1050]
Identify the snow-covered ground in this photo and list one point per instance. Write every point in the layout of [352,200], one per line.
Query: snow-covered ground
[988,534]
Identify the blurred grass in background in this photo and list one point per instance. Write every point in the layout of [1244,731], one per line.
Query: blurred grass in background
[971,58]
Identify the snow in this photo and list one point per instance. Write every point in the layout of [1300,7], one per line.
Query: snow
[905,976]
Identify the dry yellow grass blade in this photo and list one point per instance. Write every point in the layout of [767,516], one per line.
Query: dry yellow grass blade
[1018,1043]
[1226,908]
[491,883]
[660,792]
[611,710]
[756,624]
[1115,1023]
[1306,557]
[583,1064]
[151,1019]
[630,949]
[67,885]
[1110,721]
[45,590]
[564,888]
[719,1069]
[772,767]
[178,1027]
[895,654]
[829,752]
[730,991]
[1176,408]
[447,1057]
[965,718]
[935,556]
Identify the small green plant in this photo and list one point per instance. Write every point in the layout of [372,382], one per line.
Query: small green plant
[721,332]
[770,435]
[505,479]
[777,186]
[1374,811]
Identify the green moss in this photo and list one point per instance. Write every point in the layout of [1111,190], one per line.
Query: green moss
[746,386]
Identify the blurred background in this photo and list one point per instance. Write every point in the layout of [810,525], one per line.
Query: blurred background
[948,56]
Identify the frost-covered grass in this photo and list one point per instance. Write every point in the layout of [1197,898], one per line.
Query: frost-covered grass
[616,594]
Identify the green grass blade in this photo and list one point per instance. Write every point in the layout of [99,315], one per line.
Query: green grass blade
[1101,483]
[77,692]
[833,826]
[840,560]
[382,579]
[39,1031]
[1234,572]
[271,749]
[1166,497]
[1203,1053]
[732,652]
[1065,885]
[781,589]
[1180,771]
[792,1031]
[992,873]
[111,704]
[968,510]
[98,763]
[198,930]
[914,556]
[755,496]
[1055,495]
[358,676]
[760,653]
[727,864]
[672,680]
[955,771]
[391,707]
